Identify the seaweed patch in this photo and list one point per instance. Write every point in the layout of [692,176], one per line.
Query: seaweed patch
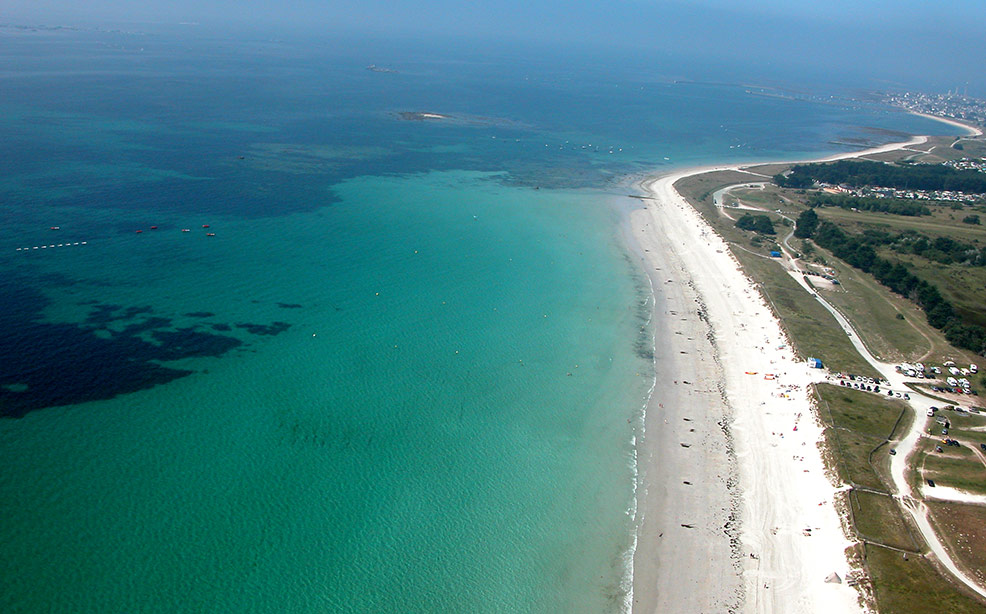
[50,364]
[274,328]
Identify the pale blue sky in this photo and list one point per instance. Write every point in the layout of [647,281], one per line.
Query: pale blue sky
[915,43]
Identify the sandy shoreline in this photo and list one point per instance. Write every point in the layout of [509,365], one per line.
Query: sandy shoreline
[737,514]
[973,131]
[686,407]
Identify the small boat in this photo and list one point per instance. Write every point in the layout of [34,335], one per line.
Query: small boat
[55,228]
[139,231]
[153,227]
[210,234]
[205,225]
[186,230]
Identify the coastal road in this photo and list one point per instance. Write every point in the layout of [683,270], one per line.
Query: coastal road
[906,446]
[719,200]
[919,403]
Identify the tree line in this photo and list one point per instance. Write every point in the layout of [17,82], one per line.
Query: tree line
[858,252]
[943,250]
[859,173]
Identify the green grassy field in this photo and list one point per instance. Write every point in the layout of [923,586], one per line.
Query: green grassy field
[769,169]
[864,413]
[699,188]
[902,579]
[944,148]
[878,519]
[956,467]
[963,527]
[857,423]
[962,285]
[887,337]
[912,585]
[943,222]
[971,148]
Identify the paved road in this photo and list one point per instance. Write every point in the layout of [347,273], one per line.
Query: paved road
[906,446]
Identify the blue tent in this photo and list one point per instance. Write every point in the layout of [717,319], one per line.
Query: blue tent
[775,254]
[814,363]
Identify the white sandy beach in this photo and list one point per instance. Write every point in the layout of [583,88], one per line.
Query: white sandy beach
[740,518]
[973,130]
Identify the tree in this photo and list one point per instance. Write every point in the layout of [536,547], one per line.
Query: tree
[971,219]
[968,336]
[806,225]
[757,223]
[793,180]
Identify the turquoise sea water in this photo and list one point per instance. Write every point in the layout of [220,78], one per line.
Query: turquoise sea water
[407,371]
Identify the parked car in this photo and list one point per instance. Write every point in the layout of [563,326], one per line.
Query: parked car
[931,483]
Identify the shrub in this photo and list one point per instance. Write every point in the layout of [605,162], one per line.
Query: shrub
[757,223]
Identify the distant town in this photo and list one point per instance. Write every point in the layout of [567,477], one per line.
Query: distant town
[952,104]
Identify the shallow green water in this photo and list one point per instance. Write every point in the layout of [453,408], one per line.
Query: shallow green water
[413,441]
[406,373]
